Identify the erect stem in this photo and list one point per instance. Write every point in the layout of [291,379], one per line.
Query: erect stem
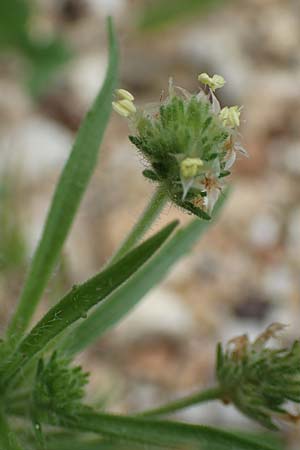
[147,218]
[214,393]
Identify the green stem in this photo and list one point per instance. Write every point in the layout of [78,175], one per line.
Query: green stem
[194,399]
[8,440]
[147,218]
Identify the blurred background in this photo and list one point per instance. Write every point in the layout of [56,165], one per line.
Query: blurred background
[244,274]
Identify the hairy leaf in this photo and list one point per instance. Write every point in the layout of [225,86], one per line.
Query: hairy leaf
[68,194]
[80,300]
[124,299]
[171,435]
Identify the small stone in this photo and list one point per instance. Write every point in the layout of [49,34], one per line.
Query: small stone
[264,231]
[292,158]
[72,10]
[278,282]
[161,311]
[252,306]
[293,233]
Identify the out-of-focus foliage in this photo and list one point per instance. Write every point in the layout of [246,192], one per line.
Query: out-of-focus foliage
[261,382]
[272,440]
[159,13]
[14,17]
[12,243]
[59,388]
[41,56]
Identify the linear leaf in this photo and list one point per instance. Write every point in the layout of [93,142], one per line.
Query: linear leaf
[69,191]
[171,435]
[98,444]
[77,302]
[127,296]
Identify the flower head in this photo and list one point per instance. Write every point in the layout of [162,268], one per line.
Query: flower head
[187,146]
[214,82]
[260,380]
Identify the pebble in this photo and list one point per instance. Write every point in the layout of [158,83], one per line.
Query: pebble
[161,311]
[264,231]
[37,146]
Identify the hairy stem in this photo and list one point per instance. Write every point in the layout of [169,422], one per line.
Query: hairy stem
[200,397]
[147,218]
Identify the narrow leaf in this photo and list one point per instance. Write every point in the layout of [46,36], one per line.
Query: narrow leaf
[127,296]
[171,435]
[79,300]
[69,191]
[98,444]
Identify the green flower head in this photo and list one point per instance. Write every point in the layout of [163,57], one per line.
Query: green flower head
[59,387]
[187,142]
[258,379]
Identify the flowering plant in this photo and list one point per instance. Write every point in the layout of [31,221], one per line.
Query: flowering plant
[189,144]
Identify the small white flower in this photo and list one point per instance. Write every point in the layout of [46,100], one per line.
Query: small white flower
[215,104]
[232,147]
[231,158]
[212,185]
[213,194]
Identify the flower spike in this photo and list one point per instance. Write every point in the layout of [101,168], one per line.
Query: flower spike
[187,142]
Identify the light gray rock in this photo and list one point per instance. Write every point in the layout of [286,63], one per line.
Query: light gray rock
[161,311]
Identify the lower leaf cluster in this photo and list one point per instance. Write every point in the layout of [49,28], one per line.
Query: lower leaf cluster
[59,388]
[260,381]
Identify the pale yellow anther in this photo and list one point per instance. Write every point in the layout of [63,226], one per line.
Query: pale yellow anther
[124,105]
[190,167]
[214,82]
[127,104]
[123,94]
[230,116]
[120,109]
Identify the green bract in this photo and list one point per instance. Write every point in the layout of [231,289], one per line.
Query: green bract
[259,380]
